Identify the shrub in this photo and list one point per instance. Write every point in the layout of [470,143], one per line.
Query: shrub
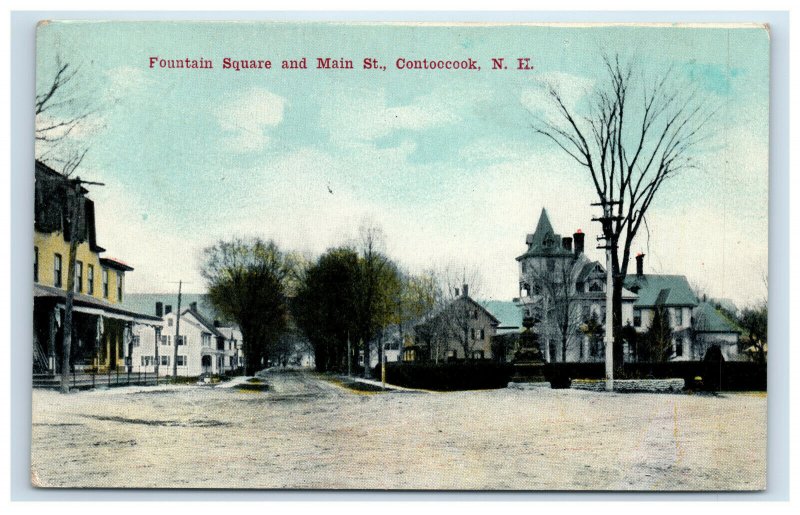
[466,375]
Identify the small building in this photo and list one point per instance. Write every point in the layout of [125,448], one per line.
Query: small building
[203,346]
[505,342]
[391,341]
[460,329]
[712,327]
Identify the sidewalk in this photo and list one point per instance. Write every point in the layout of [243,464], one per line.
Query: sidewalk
[387,385]
[233,382]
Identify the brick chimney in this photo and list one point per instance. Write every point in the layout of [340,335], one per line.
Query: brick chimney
[159,309]
[566,242]
[578,238]
[639,264]
[193,306]
[167,309]
[466,290]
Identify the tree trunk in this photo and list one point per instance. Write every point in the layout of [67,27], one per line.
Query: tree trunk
[367,371]
[616,303]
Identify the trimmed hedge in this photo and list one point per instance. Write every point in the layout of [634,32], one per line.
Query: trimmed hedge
[465,375]
[715,376]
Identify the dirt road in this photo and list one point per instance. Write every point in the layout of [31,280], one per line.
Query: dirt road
[307,432]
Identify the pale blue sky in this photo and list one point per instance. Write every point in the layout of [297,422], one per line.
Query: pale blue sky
[445,162]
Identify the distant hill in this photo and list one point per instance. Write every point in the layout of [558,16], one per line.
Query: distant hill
[145,303]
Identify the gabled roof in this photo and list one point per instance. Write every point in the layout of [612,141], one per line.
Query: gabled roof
[660,290]
[707,319]
[587,270]
[595,267]
[438,311]
[508,313]
[203,321]
[544,241]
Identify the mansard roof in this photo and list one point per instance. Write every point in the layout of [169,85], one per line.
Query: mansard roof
[52,191]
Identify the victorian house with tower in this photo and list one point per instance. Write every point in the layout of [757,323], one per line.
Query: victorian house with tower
[564,292]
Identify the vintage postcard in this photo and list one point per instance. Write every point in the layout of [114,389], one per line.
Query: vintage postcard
[403,256]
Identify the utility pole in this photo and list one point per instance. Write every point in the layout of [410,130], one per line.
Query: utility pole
[75,211]
[609,246]
[177,335]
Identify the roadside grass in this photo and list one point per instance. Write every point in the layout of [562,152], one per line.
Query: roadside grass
[253,385]
[354,386]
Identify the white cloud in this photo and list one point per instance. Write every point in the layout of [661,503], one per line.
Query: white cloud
[366,114]
[247,117]
[126,80]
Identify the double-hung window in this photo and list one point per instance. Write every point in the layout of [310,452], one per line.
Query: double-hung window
[57,271]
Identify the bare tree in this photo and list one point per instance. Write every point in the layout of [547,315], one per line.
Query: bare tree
[60,111]
[65,118]
[636,134]
[565,307]
[415,296]
[556,303]
[379,282]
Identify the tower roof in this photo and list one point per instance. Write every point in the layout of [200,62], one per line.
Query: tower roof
[544,241]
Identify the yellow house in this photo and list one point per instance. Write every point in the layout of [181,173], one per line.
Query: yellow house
[102,328]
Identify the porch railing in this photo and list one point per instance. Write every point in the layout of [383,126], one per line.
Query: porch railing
[94,379]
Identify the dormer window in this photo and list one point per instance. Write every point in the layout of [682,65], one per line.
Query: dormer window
[595,287]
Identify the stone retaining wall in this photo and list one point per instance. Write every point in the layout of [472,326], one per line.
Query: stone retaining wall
[674,385]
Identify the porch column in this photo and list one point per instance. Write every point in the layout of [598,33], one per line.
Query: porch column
[127,345]
[98,338]
[157,332]
[51,339]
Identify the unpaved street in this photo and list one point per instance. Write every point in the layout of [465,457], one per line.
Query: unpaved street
[311,433]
